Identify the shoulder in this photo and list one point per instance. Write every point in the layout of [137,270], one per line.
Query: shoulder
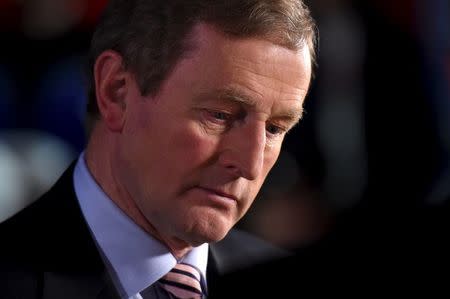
[49,230]
[21,238]
[30,226]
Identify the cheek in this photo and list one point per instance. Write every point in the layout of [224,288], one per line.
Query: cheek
[270,158]
[191,145]
[269,161]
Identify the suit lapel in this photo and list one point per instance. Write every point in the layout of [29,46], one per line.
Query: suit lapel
[72,263]
[107,290]
[212,270]
[78,285]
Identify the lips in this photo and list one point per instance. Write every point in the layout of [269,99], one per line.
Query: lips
[219,192]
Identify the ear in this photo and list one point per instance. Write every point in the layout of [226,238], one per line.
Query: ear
[111,82]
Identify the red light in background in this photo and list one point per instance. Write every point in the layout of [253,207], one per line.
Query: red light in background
[93,12]
[10,14]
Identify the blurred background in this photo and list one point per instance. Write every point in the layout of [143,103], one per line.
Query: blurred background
[369,163]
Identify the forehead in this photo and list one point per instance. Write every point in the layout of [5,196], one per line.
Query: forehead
[209,43]
[256,70]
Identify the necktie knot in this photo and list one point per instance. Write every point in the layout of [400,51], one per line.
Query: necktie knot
[183,281]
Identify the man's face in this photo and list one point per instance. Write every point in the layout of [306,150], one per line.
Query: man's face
[194,156]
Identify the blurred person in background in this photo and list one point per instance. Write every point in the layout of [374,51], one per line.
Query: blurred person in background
[189,103]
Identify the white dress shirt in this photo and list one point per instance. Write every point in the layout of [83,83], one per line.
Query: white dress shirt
[134,259]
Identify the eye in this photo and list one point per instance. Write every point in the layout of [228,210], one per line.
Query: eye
[275,130]
[222,116]
[217,118]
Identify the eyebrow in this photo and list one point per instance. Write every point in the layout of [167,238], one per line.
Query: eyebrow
[227,94]
[293,116]
[234,95]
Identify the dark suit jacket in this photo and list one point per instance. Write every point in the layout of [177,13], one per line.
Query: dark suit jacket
[47,251]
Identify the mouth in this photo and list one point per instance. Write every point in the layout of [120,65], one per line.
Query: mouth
[218,193]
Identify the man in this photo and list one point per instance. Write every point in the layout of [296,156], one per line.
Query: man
[190,102]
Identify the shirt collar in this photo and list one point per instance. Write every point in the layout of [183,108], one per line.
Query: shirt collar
[136,258]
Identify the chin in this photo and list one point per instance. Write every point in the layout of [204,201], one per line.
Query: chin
[209,234]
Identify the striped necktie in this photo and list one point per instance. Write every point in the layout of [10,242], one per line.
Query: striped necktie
[183,281]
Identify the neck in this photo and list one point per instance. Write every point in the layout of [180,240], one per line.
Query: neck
[100,163]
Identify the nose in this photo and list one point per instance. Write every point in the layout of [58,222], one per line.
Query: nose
[243,150]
